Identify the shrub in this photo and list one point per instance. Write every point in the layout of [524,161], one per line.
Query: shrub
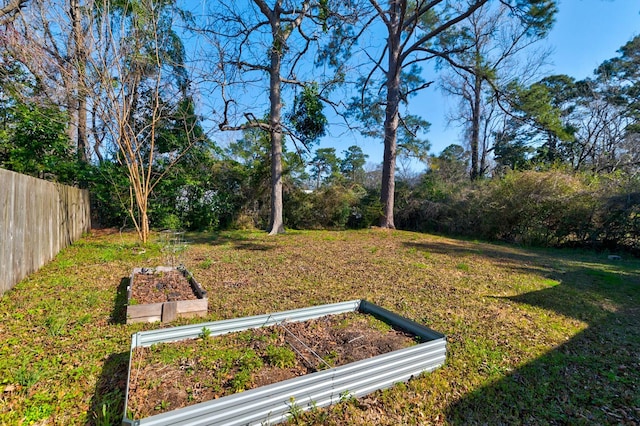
[330,207]
[544,208]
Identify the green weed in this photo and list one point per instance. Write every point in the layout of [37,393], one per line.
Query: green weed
[241,380]
[205,264]
[294,409]
[280,356]
[37,412]
[162,406]
[462,267]
[26,376]
[56,324]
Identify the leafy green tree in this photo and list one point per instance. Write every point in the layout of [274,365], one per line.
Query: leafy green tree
[451,165]
[33,131]
[307,117]
[51,41]
[624,72]
[541,117]
[34,141]
[539,129]
[325,166]
[511,153]
[252,155]
[619,80]
[246,166]
[110,194]
[352,165]
[586,124]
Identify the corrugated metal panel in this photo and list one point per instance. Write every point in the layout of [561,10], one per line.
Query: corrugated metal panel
[148,338]
[272,403]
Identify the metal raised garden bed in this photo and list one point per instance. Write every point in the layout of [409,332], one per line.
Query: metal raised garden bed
[170,310]
[272,403]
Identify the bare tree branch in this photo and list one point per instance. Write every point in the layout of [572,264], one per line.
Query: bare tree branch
[11,10]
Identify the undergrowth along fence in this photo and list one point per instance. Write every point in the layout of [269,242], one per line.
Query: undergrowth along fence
[37,219]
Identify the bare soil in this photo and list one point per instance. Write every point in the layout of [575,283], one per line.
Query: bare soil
[159,287]
[173,375]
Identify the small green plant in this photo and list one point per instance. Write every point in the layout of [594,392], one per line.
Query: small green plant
[205,264]
[133,302]
[37,412]
[165,353]
[190,396]
[107,416]
[84,319]
[462,267]
[280,356]
[245,337]
[162,406]
[205,332]
[56,324]
[26,377]
[294,409]
[346,396]
[331,358]
[250,360]
[240,381]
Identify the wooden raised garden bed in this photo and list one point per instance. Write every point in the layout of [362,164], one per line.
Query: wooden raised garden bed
[346,349]
[164,294]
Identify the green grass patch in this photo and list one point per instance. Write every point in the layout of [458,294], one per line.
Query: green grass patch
[534,336]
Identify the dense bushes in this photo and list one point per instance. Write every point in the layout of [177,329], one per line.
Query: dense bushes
[333,206]
[550,208]
[543,208]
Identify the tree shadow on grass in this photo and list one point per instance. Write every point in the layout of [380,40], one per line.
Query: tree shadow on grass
[237,242]
[119,310]
[549,263]
[450,246]
[107,404]
[593,378]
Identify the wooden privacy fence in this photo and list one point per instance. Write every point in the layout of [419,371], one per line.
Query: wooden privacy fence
[37,219]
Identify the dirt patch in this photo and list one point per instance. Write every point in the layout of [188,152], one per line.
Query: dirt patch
[168,376]
[151,286]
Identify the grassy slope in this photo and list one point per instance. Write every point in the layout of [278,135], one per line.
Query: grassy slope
[534,336]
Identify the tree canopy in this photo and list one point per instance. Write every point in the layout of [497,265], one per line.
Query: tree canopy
[215,116]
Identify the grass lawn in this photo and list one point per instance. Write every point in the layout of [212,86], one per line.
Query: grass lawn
[534,336]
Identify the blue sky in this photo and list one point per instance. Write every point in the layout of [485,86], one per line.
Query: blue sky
[586,33]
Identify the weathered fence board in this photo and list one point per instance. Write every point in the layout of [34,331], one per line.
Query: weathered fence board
[37,219]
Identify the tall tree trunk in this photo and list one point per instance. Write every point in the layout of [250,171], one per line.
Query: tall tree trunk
[276,225]
[80,68]
[391,118]
[475,124]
